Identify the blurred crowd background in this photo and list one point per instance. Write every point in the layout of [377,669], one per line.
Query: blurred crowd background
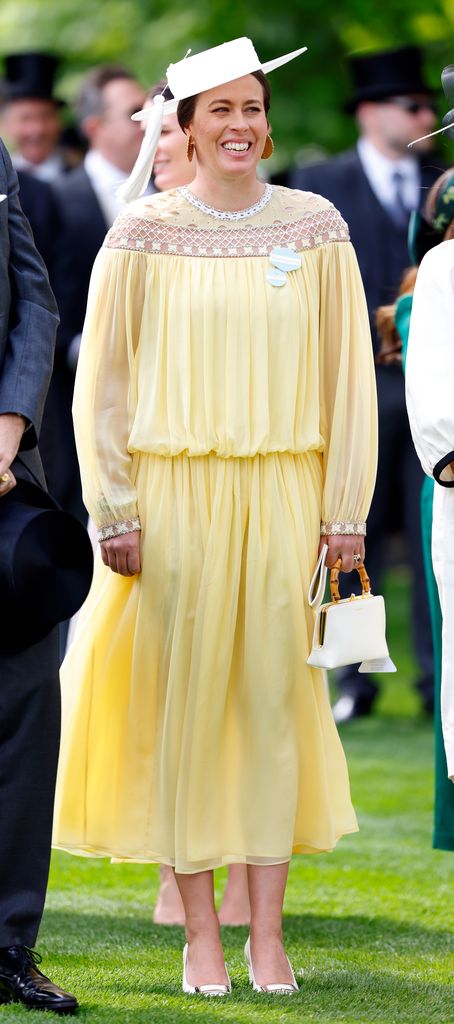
[71,75]
[147,35]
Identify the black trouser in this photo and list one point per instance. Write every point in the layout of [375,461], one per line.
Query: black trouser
[29,742]
[396,505]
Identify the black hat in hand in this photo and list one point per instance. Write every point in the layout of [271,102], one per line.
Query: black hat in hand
[46,565]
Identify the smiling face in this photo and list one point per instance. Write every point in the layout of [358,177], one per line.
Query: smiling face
[229,128]
[171,167]
[33,127]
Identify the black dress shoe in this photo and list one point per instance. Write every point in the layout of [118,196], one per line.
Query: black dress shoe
[22,982]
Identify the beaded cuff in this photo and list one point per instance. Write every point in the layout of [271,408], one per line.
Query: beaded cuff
[119,529]
[343,529]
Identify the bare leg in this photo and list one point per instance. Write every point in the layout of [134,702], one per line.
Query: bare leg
[235,908]
[266,893]
[169,907]
[205,964]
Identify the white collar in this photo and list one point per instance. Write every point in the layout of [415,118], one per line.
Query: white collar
[105,178]
[379,170]
[103,171]
[369,154]
[47,170]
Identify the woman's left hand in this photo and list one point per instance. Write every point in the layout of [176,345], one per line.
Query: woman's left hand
[343,547]
[122,554]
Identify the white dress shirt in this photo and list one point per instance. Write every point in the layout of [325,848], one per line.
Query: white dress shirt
[379,171]
[47,170]
[105,179]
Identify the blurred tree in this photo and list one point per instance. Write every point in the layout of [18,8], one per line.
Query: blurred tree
[307,95]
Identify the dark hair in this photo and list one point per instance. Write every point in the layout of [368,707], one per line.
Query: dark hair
[160,89]
[390,351]
[186,107]
[90,100]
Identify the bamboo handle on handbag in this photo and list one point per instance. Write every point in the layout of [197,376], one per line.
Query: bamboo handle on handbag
[334,579]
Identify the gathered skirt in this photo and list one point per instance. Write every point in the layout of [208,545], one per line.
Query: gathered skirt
[194,733]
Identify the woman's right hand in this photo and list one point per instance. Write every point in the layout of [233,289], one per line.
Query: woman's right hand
[122,554]
[343,546]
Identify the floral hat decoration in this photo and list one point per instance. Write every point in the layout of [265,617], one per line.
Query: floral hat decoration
[444,206]
[189,77]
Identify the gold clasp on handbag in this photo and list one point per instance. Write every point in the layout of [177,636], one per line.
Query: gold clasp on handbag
[321,627]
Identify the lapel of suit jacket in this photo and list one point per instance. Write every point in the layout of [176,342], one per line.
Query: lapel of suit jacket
[370,200]
[367,230]
[88,199]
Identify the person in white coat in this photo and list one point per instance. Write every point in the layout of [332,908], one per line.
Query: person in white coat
[430,386]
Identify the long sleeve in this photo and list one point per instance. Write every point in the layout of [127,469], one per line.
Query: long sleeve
[348,403]
[104,395]
[430,364]
[33,316]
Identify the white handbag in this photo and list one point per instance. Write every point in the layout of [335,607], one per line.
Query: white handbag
[350,630]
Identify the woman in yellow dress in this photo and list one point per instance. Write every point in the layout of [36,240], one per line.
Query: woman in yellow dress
[226,419]
[172,168]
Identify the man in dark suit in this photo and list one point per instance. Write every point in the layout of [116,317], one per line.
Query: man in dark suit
[41,210]
[31,119]
[29,692]
[86,196]
[57,451]
[375,186]
[88,207]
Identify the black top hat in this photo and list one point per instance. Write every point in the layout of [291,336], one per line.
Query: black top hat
[388,73]
[46,565]
[31,76]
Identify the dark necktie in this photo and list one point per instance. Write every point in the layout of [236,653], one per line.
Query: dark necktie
[398,210]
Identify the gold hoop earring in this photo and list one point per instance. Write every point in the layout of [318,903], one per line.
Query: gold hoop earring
[268,148]
[190,148]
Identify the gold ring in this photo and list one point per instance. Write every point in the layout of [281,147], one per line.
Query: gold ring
[5,478]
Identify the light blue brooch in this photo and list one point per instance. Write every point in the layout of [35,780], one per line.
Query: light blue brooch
[276,278]
[283,261]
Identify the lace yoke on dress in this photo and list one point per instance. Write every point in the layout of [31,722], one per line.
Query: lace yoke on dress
[167,224]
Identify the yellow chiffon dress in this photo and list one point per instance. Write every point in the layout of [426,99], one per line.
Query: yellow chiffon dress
[230,416]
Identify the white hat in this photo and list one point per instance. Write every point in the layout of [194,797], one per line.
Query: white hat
[189,77]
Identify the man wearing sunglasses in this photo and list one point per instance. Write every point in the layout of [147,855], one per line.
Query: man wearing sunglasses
[375,186]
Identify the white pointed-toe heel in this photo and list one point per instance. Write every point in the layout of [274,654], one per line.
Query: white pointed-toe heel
[203,990]
[274,989]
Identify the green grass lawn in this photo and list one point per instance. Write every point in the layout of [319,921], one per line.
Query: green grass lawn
[369,928]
